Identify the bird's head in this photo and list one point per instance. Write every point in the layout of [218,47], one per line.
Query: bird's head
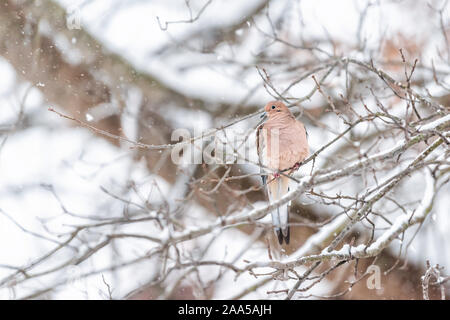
[276,107]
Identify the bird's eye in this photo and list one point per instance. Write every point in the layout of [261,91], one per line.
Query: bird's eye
[273,107]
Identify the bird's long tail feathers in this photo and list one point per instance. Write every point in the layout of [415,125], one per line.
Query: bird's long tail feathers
[277,188]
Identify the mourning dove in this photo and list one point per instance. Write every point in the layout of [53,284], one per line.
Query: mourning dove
[282,145]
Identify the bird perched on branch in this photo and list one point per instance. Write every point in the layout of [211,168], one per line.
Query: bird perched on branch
[282,145]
